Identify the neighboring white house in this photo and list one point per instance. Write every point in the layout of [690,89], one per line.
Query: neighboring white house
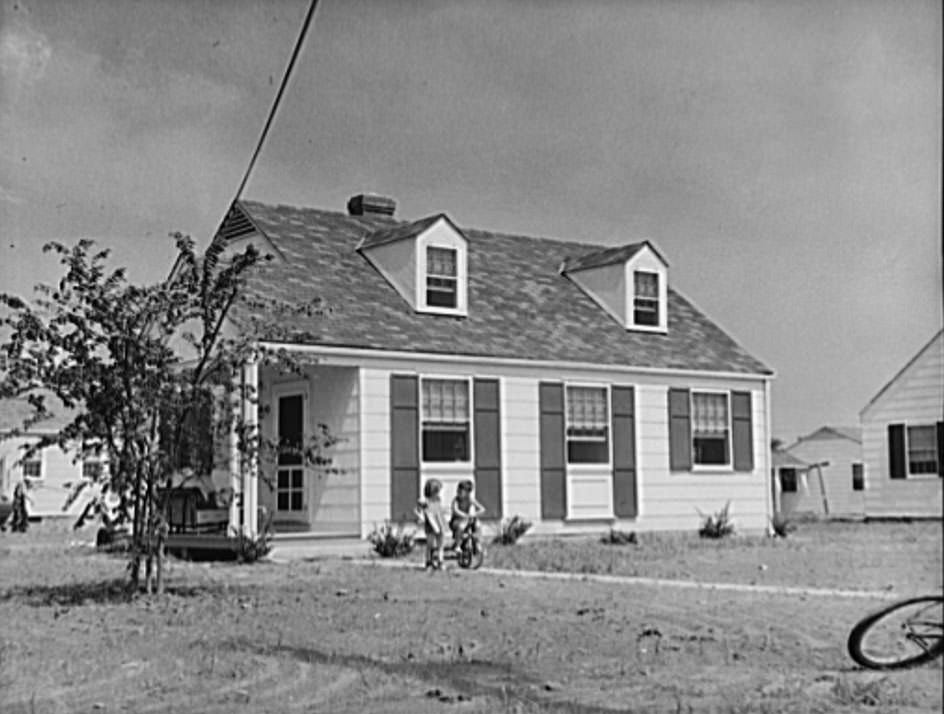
[50,475]
[903,438]
[827,477]
[571,382]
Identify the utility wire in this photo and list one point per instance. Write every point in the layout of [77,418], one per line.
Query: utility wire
[278,97]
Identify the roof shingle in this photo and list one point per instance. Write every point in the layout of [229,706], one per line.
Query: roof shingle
[519,304]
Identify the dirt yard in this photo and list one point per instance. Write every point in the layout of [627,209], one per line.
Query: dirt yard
[340,636]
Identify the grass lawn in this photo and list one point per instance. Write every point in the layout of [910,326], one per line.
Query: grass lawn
[337,636]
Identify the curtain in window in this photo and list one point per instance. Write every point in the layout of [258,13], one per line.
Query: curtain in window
[647,285]
[922,449]
[445,401]
[441,261]
[586,410]
[709,414]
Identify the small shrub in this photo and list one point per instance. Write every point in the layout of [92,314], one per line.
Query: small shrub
[391,541]
[618,537]
[719,525]
[511,529]
[782,526]
[250,550]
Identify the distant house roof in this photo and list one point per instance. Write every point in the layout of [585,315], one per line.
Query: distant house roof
[889,383]
[607,256]
[13,412]
[519,305]
[852,433]
[784,459]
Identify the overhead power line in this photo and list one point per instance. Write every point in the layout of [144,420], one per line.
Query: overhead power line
[278,97]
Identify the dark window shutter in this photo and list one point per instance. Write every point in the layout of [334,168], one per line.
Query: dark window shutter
[404,446]
[680,431]
[940,449]
[624,453]
[553,470]
[896,451]
[487,434]
[743,437]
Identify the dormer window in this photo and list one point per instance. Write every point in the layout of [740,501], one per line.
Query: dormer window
[442,277]
[646,300]
[630,282]
[426,261]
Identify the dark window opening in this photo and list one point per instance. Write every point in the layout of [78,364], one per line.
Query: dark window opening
[445,442]
[788,480]
[858,477]
[710,450]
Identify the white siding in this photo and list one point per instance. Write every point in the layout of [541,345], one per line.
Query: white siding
[837,477]
[332,501]
[48,496]
[915,397]
[668,501]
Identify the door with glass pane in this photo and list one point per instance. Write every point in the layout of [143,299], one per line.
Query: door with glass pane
[290,473]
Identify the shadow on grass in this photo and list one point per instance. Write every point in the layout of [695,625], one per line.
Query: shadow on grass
[97,592]
[467,676]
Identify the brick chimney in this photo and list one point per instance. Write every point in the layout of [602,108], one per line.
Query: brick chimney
[364,204]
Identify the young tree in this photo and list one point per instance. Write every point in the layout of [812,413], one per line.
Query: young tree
[110,353]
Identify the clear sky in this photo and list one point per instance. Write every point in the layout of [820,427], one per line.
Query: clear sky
[784,156]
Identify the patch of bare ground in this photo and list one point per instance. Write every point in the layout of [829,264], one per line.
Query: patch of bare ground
[333,636]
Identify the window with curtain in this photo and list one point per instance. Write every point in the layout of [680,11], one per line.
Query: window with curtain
[587,426]
[646,298]
[445,419]
[441,277]
[922,450]
[711,430]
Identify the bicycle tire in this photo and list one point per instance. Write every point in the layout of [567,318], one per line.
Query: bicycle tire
[913,642]
[471,555]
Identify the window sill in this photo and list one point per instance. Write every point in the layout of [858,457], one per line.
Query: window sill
[450,311]
[716,470]
[589,469]
[918,477]
[590,519]
[446,465]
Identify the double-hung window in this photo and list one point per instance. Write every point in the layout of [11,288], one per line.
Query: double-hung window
[922,450]
[646,298]
[711,429]
[445,420]
[587,425]
[858,476]
[442,277]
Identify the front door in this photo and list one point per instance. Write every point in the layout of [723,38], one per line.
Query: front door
[290,479]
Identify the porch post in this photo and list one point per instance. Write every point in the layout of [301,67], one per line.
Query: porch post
[251,464]
[233,462]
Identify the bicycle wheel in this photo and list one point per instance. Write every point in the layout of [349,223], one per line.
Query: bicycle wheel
[904,634]
[472,554]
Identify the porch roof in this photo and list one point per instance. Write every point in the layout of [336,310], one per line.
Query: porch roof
[519,305]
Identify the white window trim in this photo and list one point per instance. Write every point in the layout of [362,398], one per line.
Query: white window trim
[590,468]
[909,476]
[632,267]
[447,465]
[712,468]
[37,480]
[298,387]
[865,485]
[462,277]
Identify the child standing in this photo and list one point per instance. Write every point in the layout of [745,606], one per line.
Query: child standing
[464,508]
[430,511]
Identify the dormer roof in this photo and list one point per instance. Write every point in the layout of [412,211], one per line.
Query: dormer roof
[608,256]
[519,305]
[401,232]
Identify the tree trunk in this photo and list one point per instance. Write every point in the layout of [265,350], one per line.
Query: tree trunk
[161,540]
[136,530]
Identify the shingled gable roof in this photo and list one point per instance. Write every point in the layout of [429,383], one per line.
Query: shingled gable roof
[519,305]
[405,230]
[607,256]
